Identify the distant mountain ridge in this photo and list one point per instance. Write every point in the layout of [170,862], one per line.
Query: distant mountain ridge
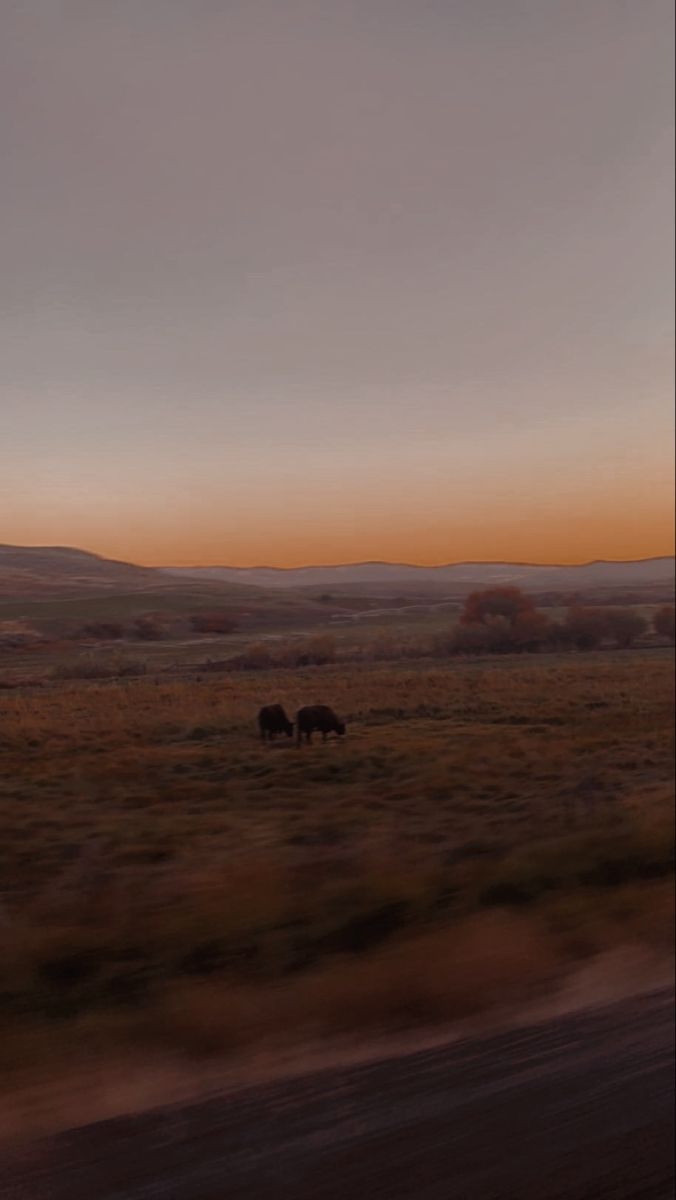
[600,573]
[63,570]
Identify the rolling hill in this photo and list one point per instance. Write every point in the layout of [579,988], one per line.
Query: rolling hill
[62,583]
[62,573]
[55,588]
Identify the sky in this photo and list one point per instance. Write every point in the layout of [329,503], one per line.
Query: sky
[296,281]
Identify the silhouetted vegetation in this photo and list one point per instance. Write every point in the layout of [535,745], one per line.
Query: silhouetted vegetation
[213,622]
[316,651]
[502,603]
[625,626]
[664,622]
[500,620]
[99,668]
[149,629]
[103,631]
[19,635]
[587,627]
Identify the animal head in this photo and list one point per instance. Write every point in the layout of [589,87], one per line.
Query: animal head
[341,727]
[289,728]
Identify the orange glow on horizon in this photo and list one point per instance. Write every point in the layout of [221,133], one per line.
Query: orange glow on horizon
[568,539]
[620,549]
[432,516]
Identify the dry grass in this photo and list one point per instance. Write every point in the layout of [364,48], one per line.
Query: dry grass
[167,879]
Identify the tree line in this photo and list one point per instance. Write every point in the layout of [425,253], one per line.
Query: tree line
[505,619]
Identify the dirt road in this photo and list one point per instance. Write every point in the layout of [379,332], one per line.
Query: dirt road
[577,1108]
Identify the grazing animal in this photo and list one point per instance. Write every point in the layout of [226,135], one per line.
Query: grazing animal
[317,717]
[273,720]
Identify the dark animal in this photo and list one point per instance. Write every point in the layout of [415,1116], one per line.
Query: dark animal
[273,720]
[317,717]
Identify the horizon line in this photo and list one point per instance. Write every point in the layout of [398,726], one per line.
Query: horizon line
[484,562]
[437,566]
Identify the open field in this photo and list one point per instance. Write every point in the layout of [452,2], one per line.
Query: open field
[167,880]
[413,633]
[58,615]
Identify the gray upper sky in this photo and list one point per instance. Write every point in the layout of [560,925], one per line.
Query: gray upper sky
[399,260]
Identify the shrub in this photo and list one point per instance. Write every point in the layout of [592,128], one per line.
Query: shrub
[212,622]
[317,651]
[99,668]
[529,630]
[18,635]
[84,668]
[128,667]
[471,639]
[625,625]
[441,644]
[558,636]
[587,627]
[103,631]
[149,629]
[320,650]
[663,622]
[256,657]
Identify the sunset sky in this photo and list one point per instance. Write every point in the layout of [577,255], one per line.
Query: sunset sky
[293,281]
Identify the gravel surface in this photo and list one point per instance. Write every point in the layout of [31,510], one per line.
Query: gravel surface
[576,1108]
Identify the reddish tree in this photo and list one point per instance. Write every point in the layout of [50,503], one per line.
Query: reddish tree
[500,619]
[508,602]
[213,622]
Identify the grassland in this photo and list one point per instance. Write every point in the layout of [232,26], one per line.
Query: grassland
[169,881]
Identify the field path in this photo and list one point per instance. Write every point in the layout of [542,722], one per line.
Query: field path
[577,1108]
